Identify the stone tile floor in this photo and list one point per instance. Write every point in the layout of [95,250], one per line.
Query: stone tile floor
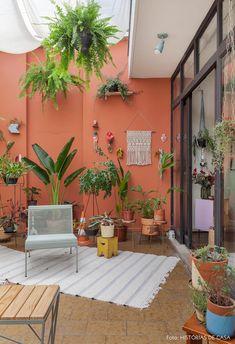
[88,321]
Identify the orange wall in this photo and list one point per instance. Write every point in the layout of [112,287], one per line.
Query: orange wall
[51,128]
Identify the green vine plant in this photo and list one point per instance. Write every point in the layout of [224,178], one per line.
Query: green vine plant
[113,85]
[224,139]
[202,140]
[49,79]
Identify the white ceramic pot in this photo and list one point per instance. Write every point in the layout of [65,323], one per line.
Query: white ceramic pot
[107,231]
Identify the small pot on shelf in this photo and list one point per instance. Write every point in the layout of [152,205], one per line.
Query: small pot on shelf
[128,215]
[107,231]
[148,227]
[159,215]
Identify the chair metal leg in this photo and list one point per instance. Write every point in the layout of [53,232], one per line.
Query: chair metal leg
[25,263]
[76,259]
[70,250]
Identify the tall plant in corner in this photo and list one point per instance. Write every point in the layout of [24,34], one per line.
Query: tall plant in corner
[52,173]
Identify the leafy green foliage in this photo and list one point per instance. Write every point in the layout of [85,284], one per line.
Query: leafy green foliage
[66,38]
[113,85]
[51,173]
[166,161]
[49,79]
[145,204]
[203,140]
[199,299]
[213,254]
[11,169]
[224,137]
[31,192]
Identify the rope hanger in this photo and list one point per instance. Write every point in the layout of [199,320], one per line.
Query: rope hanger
[139,114]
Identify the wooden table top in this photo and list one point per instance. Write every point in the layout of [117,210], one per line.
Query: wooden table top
[21,302]
[193,326]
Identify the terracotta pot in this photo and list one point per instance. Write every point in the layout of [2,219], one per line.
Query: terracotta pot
[148,227]
[159,215]
[206,272]
[107,231]
[121,232]
[220,320]
[128,215]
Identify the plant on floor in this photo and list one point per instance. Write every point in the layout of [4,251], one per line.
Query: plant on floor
[81,35]
[10,221]
[211,254]
[113,85]
[224,138]
[31,192]
[166,161]
[52,173]
[49,79]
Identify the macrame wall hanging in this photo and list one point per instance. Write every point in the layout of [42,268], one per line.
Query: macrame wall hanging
[139,147]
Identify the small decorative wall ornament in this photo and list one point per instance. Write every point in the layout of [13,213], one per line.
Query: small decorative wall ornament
[139,147]
[95,138]
[120,153]
[178,139]
[95,124]
[163,137]
[14,126]
[110,140]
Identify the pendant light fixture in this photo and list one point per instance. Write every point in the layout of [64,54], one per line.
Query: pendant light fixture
[160,46]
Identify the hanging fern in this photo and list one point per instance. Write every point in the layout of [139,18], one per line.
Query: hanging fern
[49,79]
[79,34]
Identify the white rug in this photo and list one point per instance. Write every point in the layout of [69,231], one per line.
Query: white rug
[131,279]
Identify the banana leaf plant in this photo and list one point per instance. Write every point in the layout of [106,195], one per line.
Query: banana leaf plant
[166,161]
[52,173]
[122,188]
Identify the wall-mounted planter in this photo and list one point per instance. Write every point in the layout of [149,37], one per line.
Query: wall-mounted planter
[110,94]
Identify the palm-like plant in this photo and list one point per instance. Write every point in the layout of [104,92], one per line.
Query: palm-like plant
[52,173]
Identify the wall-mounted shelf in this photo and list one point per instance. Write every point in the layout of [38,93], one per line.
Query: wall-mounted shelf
[110,94]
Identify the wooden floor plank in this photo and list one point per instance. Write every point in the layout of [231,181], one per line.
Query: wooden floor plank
[17,304]
[3,289]
[9,297]
[32,301]
[42,307]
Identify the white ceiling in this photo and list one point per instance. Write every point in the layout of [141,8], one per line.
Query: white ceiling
[179,18]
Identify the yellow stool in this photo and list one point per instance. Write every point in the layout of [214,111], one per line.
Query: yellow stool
[107,247]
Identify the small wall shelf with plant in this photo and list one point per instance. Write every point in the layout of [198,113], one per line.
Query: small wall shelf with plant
[114,87]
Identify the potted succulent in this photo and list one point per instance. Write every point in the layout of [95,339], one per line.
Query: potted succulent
[113,85]
[104,223]
[220,314]
[31,192]
[208,263]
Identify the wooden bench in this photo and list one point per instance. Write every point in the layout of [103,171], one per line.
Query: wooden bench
[30,305]
[196,333]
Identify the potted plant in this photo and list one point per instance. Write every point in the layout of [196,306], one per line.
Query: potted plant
[129,210]
[220,315]
[199,299]
[113,85]
[10,221]
[31,192]
[208,263]
[166,161]
[102,222]
[203,140]
[145,207]
[10,171]
[52,172]
[79,34]
[206,179]
[159,212]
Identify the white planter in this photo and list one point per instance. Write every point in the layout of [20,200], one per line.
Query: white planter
[107,231]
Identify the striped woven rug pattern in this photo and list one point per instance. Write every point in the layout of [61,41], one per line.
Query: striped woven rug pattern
[131,279]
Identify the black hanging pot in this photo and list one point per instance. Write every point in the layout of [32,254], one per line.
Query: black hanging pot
[201,142]
[32,202]
[10,180]
[113,88]
[86,41]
